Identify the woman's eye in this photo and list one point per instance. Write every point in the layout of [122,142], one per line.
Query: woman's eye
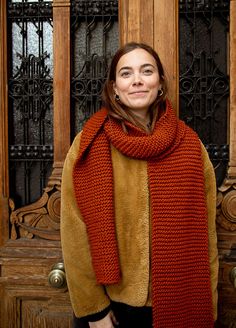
[125,74]
[147,72]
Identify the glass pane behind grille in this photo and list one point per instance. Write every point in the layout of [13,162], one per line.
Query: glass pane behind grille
[30,98]
[204,81]
[94,27]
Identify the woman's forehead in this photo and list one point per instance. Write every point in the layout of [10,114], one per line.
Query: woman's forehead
[137,57]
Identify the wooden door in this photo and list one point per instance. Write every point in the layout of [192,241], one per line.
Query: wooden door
[52,69]
[30,222]
[30,249]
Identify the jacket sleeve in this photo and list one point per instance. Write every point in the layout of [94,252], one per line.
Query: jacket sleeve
[87,296]
[210,189]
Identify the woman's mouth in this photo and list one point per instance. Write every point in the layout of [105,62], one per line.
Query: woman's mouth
[141,92]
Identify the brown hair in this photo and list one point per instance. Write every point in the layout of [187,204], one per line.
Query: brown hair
[117,109]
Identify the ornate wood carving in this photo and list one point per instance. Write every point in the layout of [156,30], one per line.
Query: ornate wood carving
[41,219]
[226,205]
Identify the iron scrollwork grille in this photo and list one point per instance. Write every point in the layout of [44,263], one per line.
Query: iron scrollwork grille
[30,98]
[94,30]
[204,81]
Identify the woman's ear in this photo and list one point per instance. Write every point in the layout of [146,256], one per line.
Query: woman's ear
[114,87]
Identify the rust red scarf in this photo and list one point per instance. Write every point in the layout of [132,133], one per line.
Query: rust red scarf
[181,292]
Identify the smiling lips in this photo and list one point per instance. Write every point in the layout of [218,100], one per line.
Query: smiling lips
[137,92]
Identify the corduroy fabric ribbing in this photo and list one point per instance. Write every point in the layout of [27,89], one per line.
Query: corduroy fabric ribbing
[181,293]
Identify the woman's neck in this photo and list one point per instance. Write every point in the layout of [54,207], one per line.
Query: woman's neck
[143,116]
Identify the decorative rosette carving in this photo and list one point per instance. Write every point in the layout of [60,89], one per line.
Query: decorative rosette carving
[226,205]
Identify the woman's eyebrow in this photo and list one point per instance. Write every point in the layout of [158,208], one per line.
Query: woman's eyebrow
[124,67]
[142,66]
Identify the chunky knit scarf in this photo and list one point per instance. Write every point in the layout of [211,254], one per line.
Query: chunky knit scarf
[181,292]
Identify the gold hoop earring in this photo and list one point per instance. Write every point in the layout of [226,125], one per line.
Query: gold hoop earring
[160,92]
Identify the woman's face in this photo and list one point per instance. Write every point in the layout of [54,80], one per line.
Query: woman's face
[137,80]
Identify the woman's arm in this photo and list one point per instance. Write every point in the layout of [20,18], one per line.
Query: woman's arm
[87,296]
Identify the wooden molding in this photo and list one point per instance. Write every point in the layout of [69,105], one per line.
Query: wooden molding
[61,3]
[4,183]
[4,172]
[232,120]
[166,43]
[136,21]
[61,84]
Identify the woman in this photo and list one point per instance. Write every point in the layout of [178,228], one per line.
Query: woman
[138,208]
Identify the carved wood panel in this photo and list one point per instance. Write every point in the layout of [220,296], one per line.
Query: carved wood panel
[27,298]
[36,308]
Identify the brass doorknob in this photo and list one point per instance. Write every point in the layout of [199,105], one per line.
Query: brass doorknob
[233,276]
[57,277]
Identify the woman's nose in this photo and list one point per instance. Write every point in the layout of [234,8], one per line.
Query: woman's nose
[137,79]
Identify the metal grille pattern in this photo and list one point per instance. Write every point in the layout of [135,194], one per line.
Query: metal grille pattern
[94,27]
[30,98]
[204,81]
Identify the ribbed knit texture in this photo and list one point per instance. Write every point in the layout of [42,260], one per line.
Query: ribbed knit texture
[181,292]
